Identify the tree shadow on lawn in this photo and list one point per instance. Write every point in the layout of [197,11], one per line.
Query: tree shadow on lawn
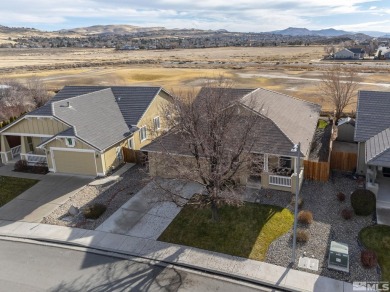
[244,231]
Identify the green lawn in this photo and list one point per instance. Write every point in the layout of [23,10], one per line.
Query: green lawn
[377,238]
[11,187]
[245,231]
[322,124]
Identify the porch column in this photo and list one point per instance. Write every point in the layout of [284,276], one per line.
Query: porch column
[265,162]
[24,144]
[4,148]
[296,170]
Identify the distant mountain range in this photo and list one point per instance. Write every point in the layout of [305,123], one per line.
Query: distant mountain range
[330,32]
[128,29]
[110,29]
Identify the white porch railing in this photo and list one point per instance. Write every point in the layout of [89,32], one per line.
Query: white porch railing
[33,159]
[278,180]
[15,151]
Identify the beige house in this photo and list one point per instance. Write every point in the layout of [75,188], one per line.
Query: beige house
[285,121]
[84,129]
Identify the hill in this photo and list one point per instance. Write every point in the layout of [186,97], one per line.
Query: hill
[110,29]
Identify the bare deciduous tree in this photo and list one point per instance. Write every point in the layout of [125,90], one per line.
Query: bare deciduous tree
[17,98]
[37,91]
[216,133]
[338,86]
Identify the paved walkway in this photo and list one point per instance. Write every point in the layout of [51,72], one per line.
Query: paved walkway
[146,215]
[171,253]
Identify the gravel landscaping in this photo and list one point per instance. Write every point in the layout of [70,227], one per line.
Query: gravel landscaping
[113,196]
[321,200]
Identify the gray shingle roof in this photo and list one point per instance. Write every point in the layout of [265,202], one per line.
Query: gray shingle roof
[296,118]
[372,115]
[95,117]
[288,121]
[378,149]
[132,100]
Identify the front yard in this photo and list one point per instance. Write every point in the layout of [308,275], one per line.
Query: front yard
[377,238]
[11,187]
[245,231]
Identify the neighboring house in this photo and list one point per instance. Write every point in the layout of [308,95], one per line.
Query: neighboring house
[383,53]
[346,130]
[350,53]
[83,129]
[372,132]
[284,122]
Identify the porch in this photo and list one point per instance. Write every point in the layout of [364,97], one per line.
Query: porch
[275,172]
[25,149]
[378,181]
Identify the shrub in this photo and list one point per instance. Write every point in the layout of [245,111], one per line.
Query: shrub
[305,217]
[346,214]
[386,242]
[21,165]
[341,197]
[300,202]
[302,235]
[368,258]
[94,211]
[40,168]
[363,202]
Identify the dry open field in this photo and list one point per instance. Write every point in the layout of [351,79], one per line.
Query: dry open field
[292,70]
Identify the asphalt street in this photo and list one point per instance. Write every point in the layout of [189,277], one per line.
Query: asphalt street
[31,267]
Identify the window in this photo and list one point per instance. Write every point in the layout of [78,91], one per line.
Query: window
[119,153]
[156,123]
[142,133]
[70,142]
[130,143]
[285,162]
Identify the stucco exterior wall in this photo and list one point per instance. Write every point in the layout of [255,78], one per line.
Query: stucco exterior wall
[109,157]
[36,126]
[153,111]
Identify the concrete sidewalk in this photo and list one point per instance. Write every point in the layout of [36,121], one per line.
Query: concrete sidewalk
[146,215]
[260,272]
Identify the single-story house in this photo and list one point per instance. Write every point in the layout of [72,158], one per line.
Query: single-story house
[284,122]
[350,53]
[83,129]
[372,132]
[346,130]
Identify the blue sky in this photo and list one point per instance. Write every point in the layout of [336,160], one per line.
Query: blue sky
[233,15]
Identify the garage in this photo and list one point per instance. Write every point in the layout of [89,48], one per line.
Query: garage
[75,162]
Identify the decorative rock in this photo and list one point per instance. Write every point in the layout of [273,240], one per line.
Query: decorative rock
[74,211]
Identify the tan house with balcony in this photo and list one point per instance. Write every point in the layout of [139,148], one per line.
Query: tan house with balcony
[84,129]
[285,121]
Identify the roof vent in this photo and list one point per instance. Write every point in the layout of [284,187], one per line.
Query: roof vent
[67,104]
[118,98]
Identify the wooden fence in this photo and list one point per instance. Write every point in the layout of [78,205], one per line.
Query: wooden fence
[343,161]
[318,171]
[129,155]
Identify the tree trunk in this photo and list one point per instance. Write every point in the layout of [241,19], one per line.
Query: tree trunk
[214,212]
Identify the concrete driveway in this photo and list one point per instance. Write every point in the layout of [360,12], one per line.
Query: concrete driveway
[43,198]
[147,214]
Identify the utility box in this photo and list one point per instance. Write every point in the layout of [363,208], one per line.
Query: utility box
[339,257]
